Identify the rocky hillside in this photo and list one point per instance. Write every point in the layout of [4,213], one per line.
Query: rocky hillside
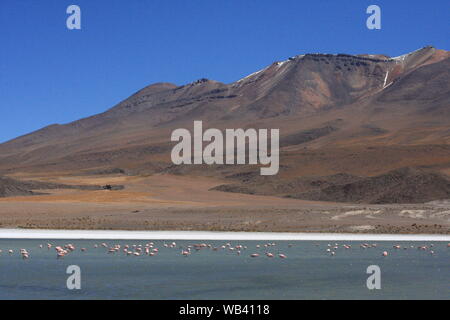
[359,115]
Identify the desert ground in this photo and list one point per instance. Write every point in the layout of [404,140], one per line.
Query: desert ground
[173,202]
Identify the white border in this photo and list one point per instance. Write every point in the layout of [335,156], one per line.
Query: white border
[210,235]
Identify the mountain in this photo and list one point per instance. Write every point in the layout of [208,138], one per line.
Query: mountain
[359,115]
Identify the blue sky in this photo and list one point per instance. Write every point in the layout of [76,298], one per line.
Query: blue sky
[49,74]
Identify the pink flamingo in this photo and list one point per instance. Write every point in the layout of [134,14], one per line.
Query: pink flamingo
[185,253]
[24,253]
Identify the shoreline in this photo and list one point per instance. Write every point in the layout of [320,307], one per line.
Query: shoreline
[209,235]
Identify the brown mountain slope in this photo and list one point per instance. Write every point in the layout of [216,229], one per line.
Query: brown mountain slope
[361,115]
[405,185]
[398,186]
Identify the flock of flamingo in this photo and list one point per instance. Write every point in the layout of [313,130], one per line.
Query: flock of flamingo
[332,249]
[150,249]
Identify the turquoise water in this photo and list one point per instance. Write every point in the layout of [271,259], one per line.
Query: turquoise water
[308,272]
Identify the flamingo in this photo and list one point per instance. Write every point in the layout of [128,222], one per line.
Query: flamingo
[254,255]
[270,255]
[385,253]
[185,253]
[24,253]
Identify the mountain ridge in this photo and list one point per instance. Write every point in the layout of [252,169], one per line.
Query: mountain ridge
[331,110]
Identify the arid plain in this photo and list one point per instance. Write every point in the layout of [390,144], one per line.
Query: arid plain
[170,202]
